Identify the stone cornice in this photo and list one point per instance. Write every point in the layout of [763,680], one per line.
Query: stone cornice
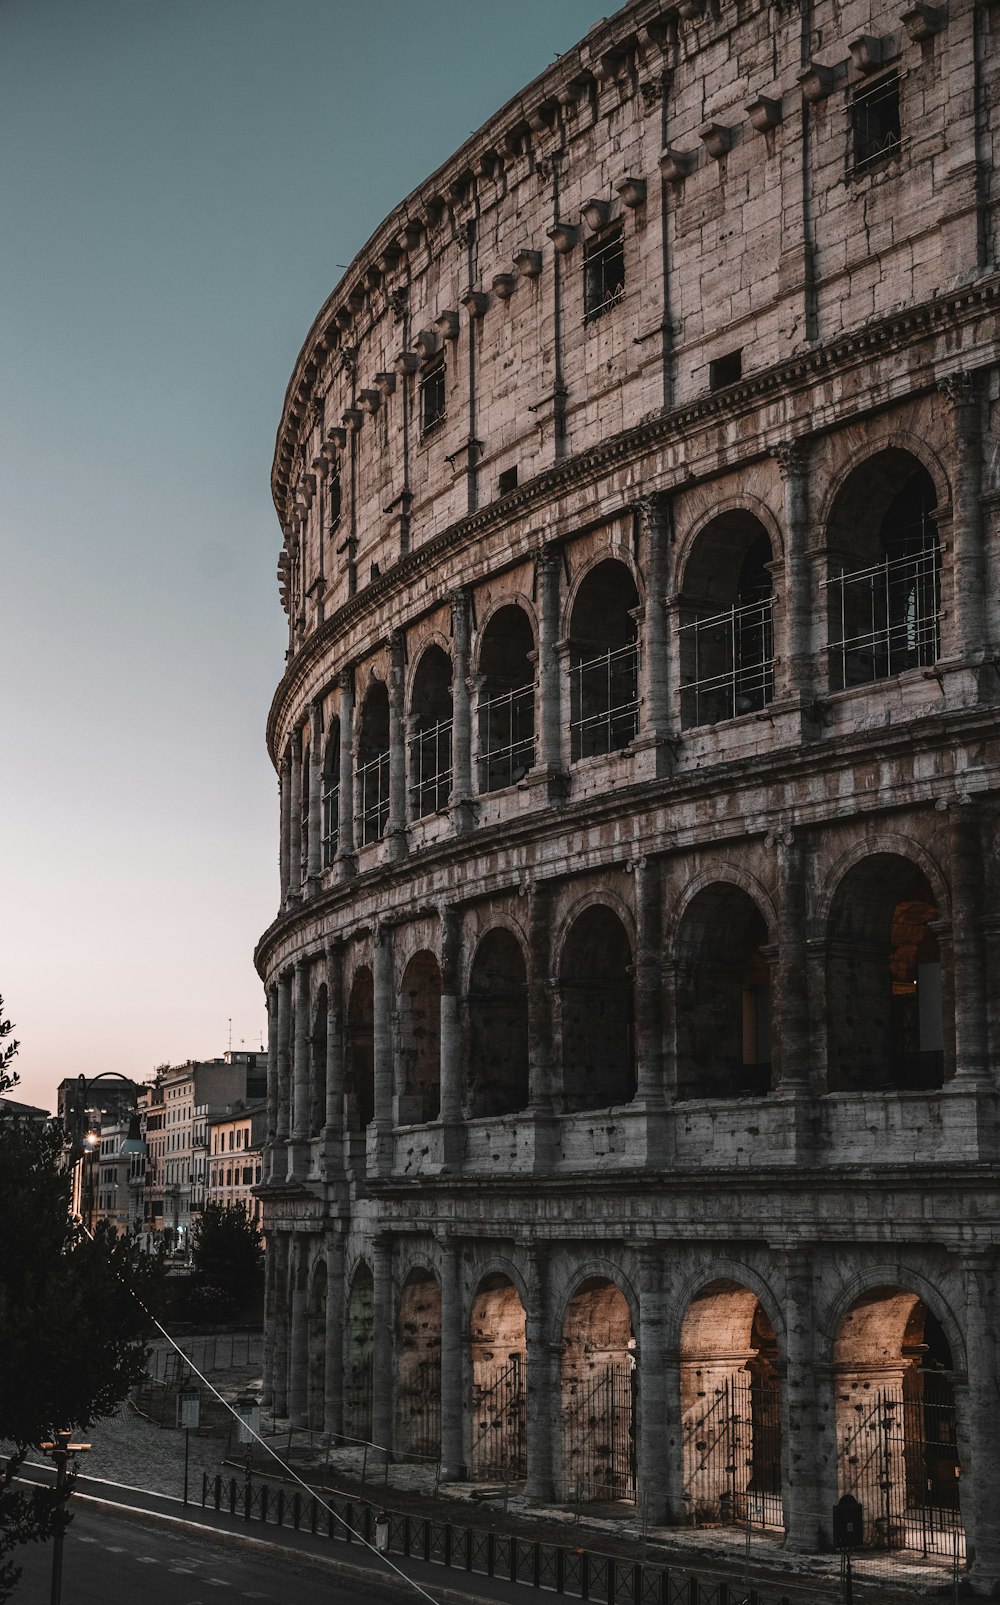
[876,339]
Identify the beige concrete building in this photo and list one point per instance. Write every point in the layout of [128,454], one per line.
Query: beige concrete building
[634,1022]
[235,1149]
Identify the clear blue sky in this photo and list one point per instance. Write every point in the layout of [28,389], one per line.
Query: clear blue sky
[180,180]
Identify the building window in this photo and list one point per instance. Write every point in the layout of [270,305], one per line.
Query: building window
[875,123]
[603,273]
[725,370]
[333,484]
[507,482]
[432,396]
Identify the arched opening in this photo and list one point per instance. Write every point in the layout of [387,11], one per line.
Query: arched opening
[331,794]
[430,737]
[506,699]
[499,1446]
[598,1395]
[358,1356]
[885,1021]
[604,662]
[317,1054]
[726,633]
[723,997]
[730,1409]
[359,1077]
[420,1041]
[418,1367]
[316,1325]
[884,590]
[596,993]
[302,856]
[896,1440]
[497,1007]
[373,763]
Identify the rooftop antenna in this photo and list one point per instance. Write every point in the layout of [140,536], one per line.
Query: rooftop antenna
[230,1033]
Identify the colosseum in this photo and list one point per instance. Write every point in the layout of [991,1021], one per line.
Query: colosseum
[634,995]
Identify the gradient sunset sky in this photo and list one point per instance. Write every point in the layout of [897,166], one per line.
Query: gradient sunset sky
[183,183]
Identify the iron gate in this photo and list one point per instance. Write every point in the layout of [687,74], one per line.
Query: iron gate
[899,1458]
[599,1434]
[418,1412]
[358,1414]
[498,1448]
[732,1455]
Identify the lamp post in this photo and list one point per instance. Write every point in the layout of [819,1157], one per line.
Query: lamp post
[85,1143]
[60,1449]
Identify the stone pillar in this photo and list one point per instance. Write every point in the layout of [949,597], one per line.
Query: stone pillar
[809,1466]
[795,671]
[279,1379]
[461,800]
[333,1130]
[451,1038]
[383,1350]
[968,943]
[980,1484]
[272,1069]
[314,780]
[543,1381]
[396,828]
[453,1468]
[968,559]
[653,1407]
[285,825]
[298,1146]
[654,692]
[295,819]
[548,772]
[345,794]
[648,982]
[279,1152]
[790,989]
[333,1361]
[298,1343]
[384,993]
[541,1046]
[267,1378]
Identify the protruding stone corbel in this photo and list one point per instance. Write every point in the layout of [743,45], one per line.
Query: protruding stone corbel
[764,113]
[490,164]
[406,362]
[321,464]
[867,52]
[815,82]
[565,237]
[356,299]
[428,343]
[336,437]
[504,285]
[677,165]
[369,401]
[476,302]
[353,418]
[717,139]
[373,276]
[409,234]
[390,258]
[542,115]
[576,90]
[446,323]
[632,191]
[528,263]
[386,383]
[596,214]
[343,318]
[922,21]
[691,10]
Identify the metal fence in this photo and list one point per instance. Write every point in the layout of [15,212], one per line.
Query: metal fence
[599,1435]
[727,664]
[499,1446]
[732,1453]
[506,738]
[604,702]
[430,769]
[373,797]
[221,1351]
[899,1458]
[885,619]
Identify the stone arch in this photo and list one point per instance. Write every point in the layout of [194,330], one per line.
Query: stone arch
[359,1069]
[892,1274]
[720,955]
[372,761]
[877,439]
[740,502]
[359,1340]
[882,953]
[598,1391]
[497,1332]
[881,842]
[317,1061]
[430,744]
[731,1406]
[597,1010]
[419,1038]
[418,1365]
[602,629]
[498,1080]
[725,622]
[505,660]
[316,1349]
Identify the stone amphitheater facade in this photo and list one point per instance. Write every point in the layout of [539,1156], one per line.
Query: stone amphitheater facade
[634,995]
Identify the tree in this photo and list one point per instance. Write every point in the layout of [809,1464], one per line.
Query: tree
[227,1251]
[73,1319]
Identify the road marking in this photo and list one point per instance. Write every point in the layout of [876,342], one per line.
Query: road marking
[115,1549]
[82,1538]
[144,1560]
[251,1593]
[182,1571]
[218,1582]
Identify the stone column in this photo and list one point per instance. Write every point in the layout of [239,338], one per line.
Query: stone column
[272,1070]
[279,1153]
[333,1361]
[285,825]
[541,1046]
[648,982]
[791,982]
[461,800]
[383,1350]
[267,1379]
[279,1379]
[653,1407]
[809,1469]
[548,712]
[298,1146]
[396,828]
[453,1468]
[795,673]
[314,779]
[980,1484]
[652,513]
[543,1381]
[384,993]
[968,943]
[298,1343]
[451,1038]
[333,1130]
[968,558]
[295,819]
[345,794]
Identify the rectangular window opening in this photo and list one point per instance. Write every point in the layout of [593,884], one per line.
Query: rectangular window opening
[432,396]
[507,482]
[875,123]
[335,495]
[725,370]
[603,273]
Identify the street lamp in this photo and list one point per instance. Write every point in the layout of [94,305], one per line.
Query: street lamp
[85,1143]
